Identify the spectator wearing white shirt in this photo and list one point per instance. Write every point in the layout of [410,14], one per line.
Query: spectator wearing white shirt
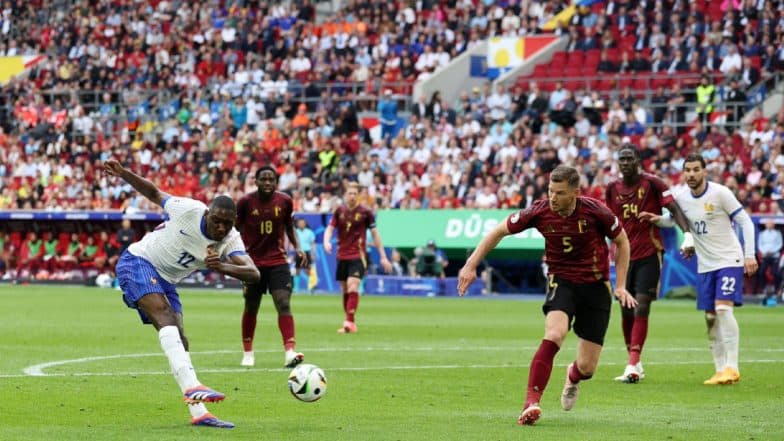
[427,60]
[486,198]
[732,62]
[499,103]
[769,244]
[300,63]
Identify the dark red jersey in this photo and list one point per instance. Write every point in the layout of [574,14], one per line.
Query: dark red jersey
[575,247]
[262,225]
[649,194]
[351,227]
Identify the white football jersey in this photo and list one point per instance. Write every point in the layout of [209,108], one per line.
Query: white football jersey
[710,221]
[178,246]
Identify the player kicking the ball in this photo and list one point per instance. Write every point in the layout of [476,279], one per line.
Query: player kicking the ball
[577,255]
[193,238]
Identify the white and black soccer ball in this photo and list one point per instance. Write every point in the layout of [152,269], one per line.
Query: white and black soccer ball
[307,382]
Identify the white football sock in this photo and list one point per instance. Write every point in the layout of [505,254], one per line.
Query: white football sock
[197,410]
[716,345]
[179,360]
[730,334]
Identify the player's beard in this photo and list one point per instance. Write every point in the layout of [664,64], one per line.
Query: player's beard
[697,183]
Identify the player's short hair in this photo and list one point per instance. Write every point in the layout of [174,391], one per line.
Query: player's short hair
[632,148]
[695,157]
[224,202]
[353,185]
[564,173]
[267,168]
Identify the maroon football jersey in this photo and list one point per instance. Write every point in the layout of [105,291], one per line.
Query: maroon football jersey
[262,225]
[575,248]
[650,194]
[351,227]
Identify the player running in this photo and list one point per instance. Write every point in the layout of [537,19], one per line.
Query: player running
[574,228]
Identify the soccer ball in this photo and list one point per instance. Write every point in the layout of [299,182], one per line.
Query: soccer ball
[307,382]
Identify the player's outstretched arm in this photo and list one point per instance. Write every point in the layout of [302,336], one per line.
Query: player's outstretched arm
[239,266]
[622,256]
[467,273]
[143,186]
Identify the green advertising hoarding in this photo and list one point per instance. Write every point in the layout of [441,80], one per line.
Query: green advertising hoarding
[454,230]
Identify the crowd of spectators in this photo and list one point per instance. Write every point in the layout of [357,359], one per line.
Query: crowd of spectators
[197,95]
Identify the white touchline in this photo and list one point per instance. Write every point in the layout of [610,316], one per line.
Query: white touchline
[38,369]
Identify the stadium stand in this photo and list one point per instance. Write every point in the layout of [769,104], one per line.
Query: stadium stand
[197,95]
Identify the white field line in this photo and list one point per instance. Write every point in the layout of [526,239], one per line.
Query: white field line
[37,370]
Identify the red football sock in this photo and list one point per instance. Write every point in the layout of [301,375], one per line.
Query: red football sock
[351,305]
[345,301]
[627,323]
[539,373]
[286,326]
[575,375]
[248,329]
[639,334]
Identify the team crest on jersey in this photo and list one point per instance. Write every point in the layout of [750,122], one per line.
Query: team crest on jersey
[582,225]
[709,208]
[153,280]
[640,193]
[550,228]
[277,211]
[356,217]
[255,212]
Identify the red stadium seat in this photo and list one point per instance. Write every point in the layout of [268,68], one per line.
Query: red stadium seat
[625,80]
[559,58]
[641,82]
[660,80]
[576,58]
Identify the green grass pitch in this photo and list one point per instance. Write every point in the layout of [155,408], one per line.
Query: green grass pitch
[76,364]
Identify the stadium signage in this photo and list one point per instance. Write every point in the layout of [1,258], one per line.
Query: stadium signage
[450,229]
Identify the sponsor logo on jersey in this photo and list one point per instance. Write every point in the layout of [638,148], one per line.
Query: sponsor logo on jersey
[153,280]
[515,217]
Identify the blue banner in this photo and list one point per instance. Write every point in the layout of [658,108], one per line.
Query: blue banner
[417,286]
